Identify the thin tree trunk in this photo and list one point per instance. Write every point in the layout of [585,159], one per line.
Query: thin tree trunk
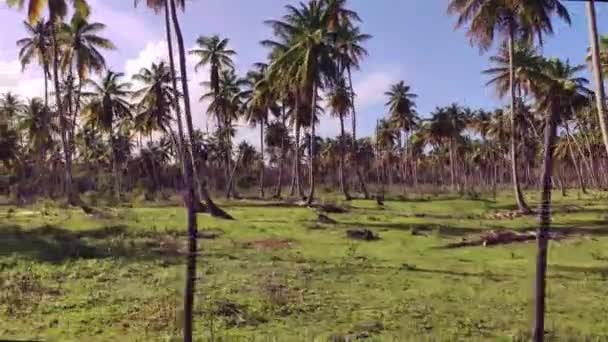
[360,178]
[45,68]
[452,164]
[69,191]
[343,182]
[543,229]
[282,159]
[262,159]
[519,197]
[597,71]
[311,192]
[214,210]
[577,170]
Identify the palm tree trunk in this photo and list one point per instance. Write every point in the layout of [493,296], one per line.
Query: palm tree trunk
[577,170]
[296,161]
[311,192]
[360,178]
[213,209]
[262,159]
[519,197]
[597,71]
[63,123]
[545,222]
[45,68]
[343,182]
[282,159]
[189,196]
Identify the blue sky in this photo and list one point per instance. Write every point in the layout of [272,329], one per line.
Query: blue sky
[414,41]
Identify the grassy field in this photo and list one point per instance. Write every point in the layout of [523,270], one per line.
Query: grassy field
[276,274]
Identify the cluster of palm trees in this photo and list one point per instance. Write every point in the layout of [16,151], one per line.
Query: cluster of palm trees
[119,134]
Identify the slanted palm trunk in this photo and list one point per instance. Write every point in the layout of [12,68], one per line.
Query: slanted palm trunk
[452,164]
[296,186]
[360,178]
[45,68]
[575,164]
[519,197]
[213,209]
[311,192]
[343,182]
[63,122]
[597,71]
[543,229]
[262,159]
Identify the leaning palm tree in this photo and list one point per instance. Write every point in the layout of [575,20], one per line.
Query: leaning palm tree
[339,100]
[57,9]
[512,20]
[108,106]
[36,47]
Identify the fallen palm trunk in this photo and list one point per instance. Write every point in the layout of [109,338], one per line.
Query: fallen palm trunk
[502,237]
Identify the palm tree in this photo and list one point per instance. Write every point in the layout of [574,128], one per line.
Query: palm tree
[107,108]
[554,92]
[597,71]
[154,99]
[213,51]
[515,20]
[9,144]
[402,112]
[36,46]
[277,139]
[57,10]
[306,60]
[259,100]
[81,46]
[37,122]
[11,107]
[339,101]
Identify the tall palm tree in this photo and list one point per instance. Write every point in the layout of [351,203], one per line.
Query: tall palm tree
[554,91]
[36,47]
[339,100]
[57,9]
[214,52]
[259,100]
[306,60]
[600,95]
[154,98]
[513,20]
[107,108]
[402,113]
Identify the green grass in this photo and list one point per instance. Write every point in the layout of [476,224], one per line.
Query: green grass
[67,276]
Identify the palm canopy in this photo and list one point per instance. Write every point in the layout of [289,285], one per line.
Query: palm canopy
[81,44]
[401,106]
[36,121]
[526,63]
[226,100]
[10,107]
[36,44]
[56,8]
[259,97]
[108,102]
[525,19]
[213,51]
[154,98]
[339,99]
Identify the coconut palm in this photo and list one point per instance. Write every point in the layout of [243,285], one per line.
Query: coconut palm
[57,10]
[36,47]
[107,108]
[37,123]
[154,99]
[259,100]
[11,107]
[306,60]
[513,20]
[9,144]
[554,92]
[338,100]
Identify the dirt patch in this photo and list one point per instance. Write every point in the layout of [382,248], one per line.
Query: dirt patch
[269,244]
[503,237]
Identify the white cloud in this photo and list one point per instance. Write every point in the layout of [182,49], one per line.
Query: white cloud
[27,84]
[370,89]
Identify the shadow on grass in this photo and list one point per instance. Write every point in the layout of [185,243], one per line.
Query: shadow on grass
[596,270]
[55,244]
